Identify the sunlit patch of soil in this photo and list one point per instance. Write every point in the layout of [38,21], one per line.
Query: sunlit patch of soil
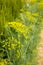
[40,49]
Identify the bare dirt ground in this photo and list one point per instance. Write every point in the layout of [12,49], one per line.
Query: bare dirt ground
[40,49]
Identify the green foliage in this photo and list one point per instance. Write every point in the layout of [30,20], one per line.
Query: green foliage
[19,36]
[9,10]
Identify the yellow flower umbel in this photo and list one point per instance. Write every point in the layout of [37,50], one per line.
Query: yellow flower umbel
[19,27]
[13,45]
[30,16]
[35,14]
[3,62]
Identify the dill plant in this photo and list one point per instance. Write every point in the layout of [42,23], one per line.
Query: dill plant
[19,36]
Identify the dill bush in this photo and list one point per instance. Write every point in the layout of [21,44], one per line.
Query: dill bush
[20,25]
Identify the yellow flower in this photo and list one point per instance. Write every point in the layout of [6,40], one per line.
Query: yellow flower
[13,45]
[3,62]
[19,27]
[33,1]
[19,42]
[35,50]
[35,14]
[26,37]
[18,54]
[30,17]
[41,5]
[9,48]
[28,13]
